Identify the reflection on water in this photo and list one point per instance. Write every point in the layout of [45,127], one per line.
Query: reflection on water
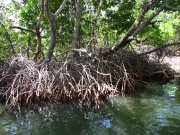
[155,111]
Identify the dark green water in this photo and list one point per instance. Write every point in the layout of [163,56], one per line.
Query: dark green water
[153,112]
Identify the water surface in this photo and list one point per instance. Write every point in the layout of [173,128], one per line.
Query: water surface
[155,111]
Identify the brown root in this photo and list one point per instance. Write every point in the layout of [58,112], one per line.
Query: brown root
[83,78]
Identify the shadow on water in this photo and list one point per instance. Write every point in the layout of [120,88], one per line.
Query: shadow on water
[154,111]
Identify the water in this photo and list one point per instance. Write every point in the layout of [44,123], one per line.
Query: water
[155,111]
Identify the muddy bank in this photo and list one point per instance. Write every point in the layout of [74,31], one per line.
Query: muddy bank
[173,62]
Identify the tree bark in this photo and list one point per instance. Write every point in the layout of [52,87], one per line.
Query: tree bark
[51,19]
[76,31]
[38,33]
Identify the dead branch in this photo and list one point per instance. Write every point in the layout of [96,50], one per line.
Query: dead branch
[159,48]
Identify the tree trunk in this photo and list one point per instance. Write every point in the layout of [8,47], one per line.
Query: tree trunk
[75,41]
[38,33]
[148,20]
[109,49]
[135,29]
[51,20]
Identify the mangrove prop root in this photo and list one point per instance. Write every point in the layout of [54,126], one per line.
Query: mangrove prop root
[86,79]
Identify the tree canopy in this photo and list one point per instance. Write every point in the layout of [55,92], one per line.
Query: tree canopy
[41,29]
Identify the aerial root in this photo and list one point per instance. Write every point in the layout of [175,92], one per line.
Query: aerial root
[23,82]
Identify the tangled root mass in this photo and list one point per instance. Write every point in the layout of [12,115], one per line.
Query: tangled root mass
[82,78]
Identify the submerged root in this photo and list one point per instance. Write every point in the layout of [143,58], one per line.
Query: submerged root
[83,78]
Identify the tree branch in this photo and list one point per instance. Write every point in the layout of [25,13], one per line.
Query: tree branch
[61,8]
[172,8]
[159,48]
[8,38]
[134,26]
[21,28]
[148,20]
[134,29]
[48,12]
[98,11]
[41,14]
[151,3]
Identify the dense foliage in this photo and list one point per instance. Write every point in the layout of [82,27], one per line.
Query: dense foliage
[114,20]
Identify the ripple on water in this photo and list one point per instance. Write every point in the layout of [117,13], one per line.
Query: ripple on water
[147,114]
